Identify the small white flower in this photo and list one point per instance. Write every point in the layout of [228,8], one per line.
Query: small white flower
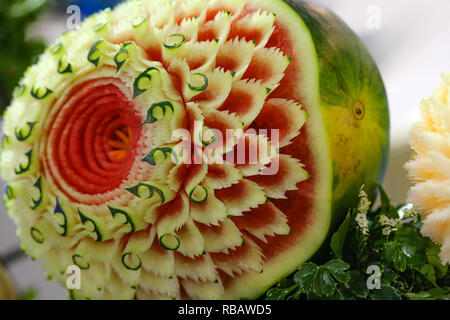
[386,231]
[362,193]
[390,225]
[363,223]
[363,208]
[408,214]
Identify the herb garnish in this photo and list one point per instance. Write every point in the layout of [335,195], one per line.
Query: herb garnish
[387,240]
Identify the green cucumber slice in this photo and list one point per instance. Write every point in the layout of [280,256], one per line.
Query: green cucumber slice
[5,141]
[9,193]
[169,241]
[199,82]
[37,235]
[99,26]
[158,154]
[146,191]
[131,261]
[94,53]
[137,86]
[57,48]
[64,67]
[174,41]
[152,117]
[21,136]
[19,90]
[208,140]
[138,21]
[22,169]
[117,212]
[199,194]
[38,185]
[59,211]
[38,93]
[85,220]
[79,261]
[122,55]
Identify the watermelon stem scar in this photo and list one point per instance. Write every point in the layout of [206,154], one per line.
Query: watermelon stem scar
[358,110]
[199,149]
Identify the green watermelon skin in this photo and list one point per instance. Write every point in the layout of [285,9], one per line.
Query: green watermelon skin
[348,74]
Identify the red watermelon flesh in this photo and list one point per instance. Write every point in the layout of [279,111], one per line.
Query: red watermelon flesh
[107,188]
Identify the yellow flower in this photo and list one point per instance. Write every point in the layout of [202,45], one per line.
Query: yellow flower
[430,168]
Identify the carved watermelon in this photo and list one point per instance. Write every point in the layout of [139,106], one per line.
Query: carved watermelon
[100,174]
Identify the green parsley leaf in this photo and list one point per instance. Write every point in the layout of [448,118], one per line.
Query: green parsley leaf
[385,293]
[409,263]
[324,284]
[358,284]
[304,277]
[339,238]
